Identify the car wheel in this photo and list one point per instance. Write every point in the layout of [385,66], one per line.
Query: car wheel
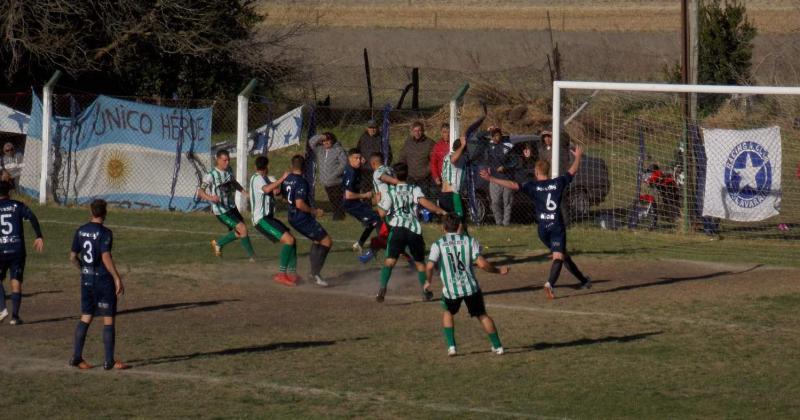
[479,213]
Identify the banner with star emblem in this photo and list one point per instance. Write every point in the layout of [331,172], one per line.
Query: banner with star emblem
[131,154]
[281,132]
[743,178]
[13,121]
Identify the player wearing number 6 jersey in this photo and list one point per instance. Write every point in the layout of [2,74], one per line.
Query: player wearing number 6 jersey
[398,206]
[455,253]
[12,249]
[100,285]
[546,195]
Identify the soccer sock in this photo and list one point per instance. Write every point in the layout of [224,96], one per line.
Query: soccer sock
[286,251]
[248,247]
[16,301]
[449,336]
[555,271]
[386,274]
[291,266]
[109,338]
[365,235]
[421,277]
[2,297]
[495,339]
[80,338]
[226,239]
[572,268]
[313,258]
[323,255]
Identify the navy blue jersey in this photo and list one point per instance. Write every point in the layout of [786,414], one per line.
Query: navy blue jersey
[546,196]
[351,181]
[12,235]
[294,188]
[90,242]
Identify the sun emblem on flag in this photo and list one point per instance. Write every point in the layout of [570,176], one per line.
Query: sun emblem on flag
[117,167]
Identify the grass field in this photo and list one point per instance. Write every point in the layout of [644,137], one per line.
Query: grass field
[676,326]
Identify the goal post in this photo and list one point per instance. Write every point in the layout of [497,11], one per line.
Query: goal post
[456,102]
[732,166]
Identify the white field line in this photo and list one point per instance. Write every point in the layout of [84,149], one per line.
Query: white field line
[29,364]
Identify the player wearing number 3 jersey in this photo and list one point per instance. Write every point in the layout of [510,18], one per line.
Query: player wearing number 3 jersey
[546,195]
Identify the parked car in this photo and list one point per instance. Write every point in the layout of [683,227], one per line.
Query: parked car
[588,189]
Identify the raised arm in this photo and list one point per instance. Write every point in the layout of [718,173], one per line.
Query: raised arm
[389,179]
[484,173]
[275,185]
[430,205]
[460,151]
[488,267]
[577,162]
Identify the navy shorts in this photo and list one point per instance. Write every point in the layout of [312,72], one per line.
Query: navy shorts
[401,239]
[98,295]
[554,237]
[308,227]
[14,265]
[363,212]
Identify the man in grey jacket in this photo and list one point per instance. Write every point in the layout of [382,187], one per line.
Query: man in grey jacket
[371,142]
[416,153]
[331,160]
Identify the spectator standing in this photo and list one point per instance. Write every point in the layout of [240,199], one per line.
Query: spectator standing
[368,144]
[11,161]
[545,150]
[331,161]
[502,165]
[416,153]
[527,164]
[440,150]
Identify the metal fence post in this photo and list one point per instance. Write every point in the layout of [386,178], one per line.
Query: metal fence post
[47,115]
[241,141]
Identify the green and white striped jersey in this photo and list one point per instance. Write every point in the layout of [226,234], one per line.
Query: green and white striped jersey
[453,174]
[220,183]
[400,204]
[456,253]
[379,186]
[261,204]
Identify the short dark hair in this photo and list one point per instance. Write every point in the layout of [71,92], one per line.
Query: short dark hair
[446,125]
[376,155]
[298,161]
[451,222]
[99,208]
[456,144]
[262,162]
[417,124]
[400,171]
[353,151]
[222,152]
[5,188]
[330,136]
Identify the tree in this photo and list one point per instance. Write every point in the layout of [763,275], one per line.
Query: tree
[192,48]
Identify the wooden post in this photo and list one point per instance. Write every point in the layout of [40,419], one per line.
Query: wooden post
[415,88]
[369,82]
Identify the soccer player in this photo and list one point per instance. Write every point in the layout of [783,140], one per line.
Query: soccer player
[546,194]
[455,253]
[452,177]
[399,207]
[302,217]
[12,249]
[262,203]
[223,186]
[100,285]
[354,203]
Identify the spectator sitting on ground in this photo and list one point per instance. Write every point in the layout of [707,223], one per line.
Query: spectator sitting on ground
[416,153]
[370,143]
[440,150]
[331,160]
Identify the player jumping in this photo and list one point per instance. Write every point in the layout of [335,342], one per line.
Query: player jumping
[354,203]
[12,249]
[546,194]
[100,285]
[302,217]
[452,178]
[223,186]
[399,207]
[262,204]
[455,253]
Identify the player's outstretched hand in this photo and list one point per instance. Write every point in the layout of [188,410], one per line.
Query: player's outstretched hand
[577,151]
[485,174]
[503,270]
[38,244]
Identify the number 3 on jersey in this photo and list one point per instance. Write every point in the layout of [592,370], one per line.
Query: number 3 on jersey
[88,258]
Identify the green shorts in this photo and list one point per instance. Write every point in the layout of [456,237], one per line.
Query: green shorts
[271,228]
[231,218]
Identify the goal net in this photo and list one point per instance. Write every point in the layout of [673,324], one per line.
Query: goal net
[730,168]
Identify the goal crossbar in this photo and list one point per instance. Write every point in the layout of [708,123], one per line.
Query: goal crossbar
[647,87]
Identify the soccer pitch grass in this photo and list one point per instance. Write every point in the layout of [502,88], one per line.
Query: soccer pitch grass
[658,336]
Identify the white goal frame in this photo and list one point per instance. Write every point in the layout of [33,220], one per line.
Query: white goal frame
[647,87]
